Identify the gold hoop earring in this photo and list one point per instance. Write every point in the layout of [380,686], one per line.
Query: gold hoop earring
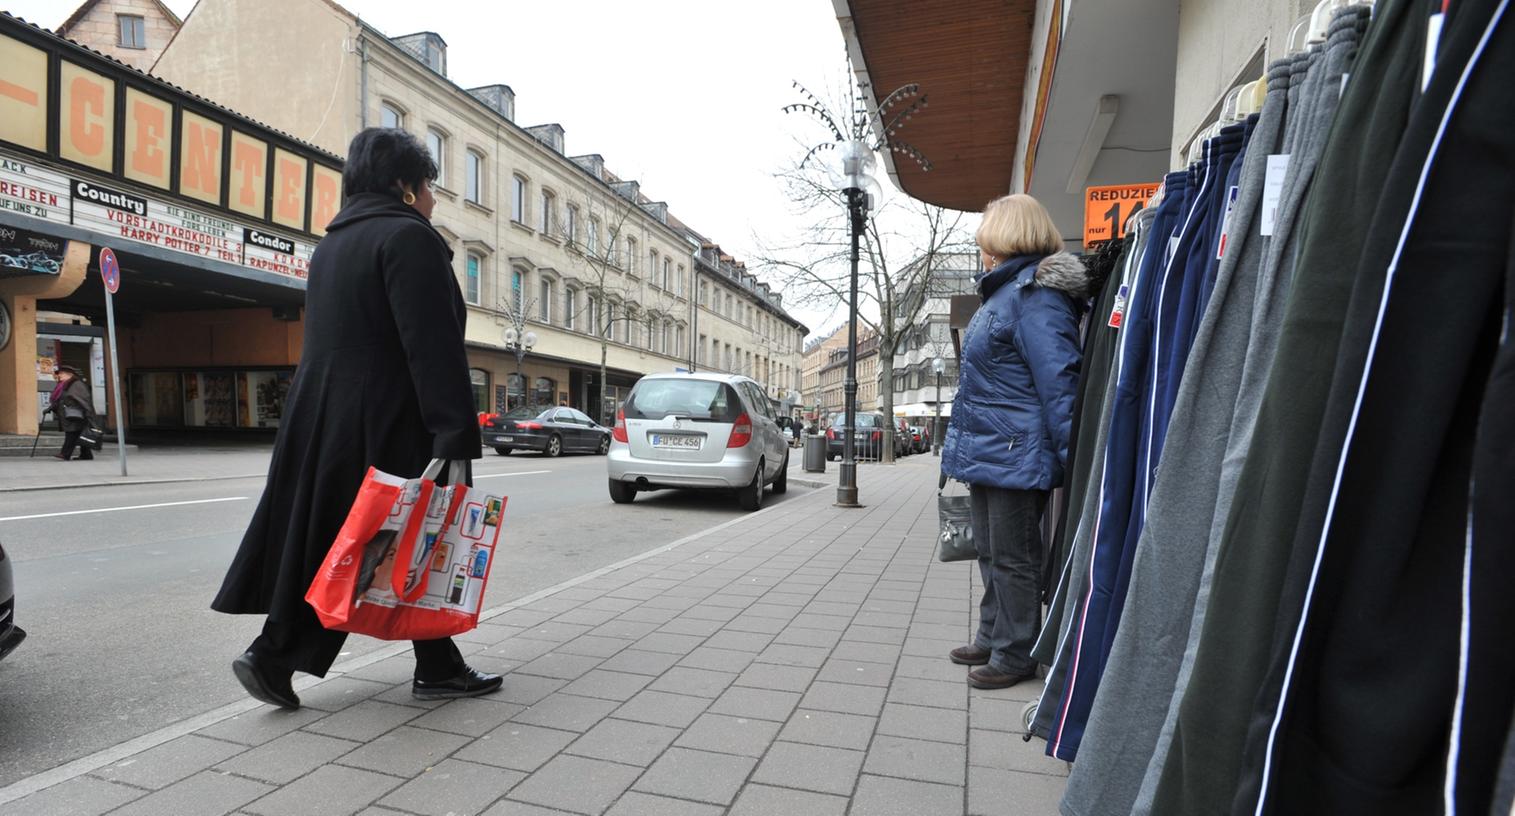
[409,198]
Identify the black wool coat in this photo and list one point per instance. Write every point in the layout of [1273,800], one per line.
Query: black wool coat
[76,394]
[382,381]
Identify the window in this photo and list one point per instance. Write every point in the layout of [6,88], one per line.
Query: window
[515,389]
[131,30]
[549,204]
[668,347]
[570,305]
[479,379]
[517,291]
[593,245]
[699,351]
[390,116]
[678,341]
[571,224]
[632,333]
[474,187]
[652,262]
[518,199]
[544,391]
[631,256]
[668,274]
[436,145]
[544,310]
[680,280]
[471,287]
[728,357]
[653,335]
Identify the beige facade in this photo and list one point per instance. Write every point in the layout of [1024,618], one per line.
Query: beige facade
[544,242]
[832,373]
[132,31]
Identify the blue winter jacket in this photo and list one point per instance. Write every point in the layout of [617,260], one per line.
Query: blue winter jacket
[1019,375]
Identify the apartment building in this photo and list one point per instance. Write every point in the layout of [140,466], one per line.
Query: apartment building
[928,337]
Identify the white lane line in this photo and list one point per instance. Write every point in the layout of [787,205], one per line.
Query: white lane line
[498,475]
[118,509]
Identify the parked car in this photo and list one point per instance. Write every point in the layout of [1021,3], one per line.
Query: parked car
[698,431]
[903,445]
[918,439]
[549,430]
[869,439]
[11,635]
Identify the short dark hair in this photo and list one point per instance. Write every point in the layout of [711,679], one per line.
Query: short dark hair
[379,160]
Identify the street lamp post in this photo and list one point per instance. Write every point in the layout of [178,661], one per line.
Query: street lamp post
[519,342]
[938,365]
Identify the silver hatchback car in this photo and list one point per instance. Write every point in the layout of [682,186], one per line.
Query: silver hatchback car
[698,431]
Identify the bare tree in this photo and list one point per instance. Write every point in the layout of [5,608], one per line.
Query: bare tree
[904,245]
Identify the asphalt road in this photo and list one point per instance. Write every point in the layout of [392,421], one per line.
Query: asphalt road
[115,600]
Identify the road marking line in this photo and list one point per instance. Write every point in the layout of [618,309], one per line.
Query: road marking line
[116,509]
[521,473]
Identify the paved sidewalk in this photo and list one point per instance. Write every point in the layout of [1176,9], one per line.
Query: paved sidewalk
[148,466]
[788,662]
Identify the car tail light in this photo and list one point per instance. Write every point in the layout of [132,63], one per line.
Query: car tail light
[830,433]
[619,431]
[741,432]
[877,435]
[529,426]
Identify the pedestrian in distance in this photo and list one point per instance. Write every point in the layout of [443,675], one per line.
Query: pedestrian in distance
[73,406]
[383,382]
[1008,437]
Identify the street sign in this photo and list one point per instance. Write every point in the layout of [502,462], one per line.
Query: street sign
[1107,209]
[110,270]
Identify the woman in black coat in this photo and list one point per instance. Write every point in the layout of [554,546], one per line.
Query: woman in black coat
[382,381]
[75,409]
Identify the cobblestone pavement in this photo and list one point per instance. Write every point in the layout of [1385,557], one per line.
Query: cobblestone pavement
[789,662]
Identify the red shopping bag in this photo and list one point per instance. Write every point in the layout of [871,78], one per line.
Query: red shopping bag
[378,579]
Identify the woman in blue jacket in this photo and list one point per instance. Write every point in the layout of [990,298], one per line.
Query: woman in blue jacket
[1009,434]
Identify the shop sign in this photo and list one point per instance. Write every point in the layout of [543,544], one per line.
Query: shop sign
[1108,209]
[33,191]
[25,253]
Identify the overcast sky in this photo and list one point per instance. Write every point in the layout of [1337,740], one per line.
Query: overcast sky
[681,95]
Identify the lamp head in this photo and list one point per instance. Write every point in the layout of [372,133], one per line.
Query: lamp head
[530,339]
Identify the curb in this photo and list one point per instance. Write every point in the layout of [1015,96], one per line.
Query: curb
[130,481]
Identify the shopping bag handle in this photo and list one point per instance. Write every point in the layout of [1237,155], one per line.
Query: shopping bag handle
[457,472]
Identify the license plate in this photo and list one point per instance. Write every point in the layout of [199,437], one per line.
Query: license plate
[507,439]
[675,441]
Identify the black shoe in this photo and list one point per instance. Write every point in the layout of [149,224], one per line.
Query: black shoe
[254,676]
[467,683]
[985,677]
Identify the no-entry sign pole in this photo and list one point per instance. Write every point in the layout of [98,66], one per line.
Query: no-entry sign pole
[110,272]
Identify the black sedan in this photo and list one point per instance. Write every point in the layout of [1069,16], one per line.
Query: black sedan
[11,635]
[549,431]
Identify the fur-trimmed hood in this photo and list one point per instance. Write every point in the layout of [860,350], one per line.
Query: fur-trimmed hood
[1066,273]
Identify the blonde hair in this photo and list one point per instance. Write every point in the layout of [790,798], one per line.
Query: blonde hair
[1017,225]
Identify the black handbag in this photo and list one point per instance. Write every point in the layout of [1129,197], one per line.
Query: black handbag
[72,411]
[92,437]
[955,540]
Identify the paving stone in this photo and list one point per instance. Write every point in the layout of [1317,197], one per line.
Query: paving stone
[995,792]
[888,620]
[207,792]
[561,665]
[1024,692]
[391,670]
[613,604]
[400,695]
[762,704]
[80,796]
[789,598]
[595,645]
[576,784]
[753,623]
[331,790]
[885,796]
[932,668]
[673,644]
[875,634]
[866,652]
[801,636]
[556,631]
[810,767]
[506,807]
[587,617]
[452,787]
[649,614]
[637,661]
[933,693]
[567,712]
[847,698]
[1006,751]
[289,757]
[168,763]
[261,725]
[472,717]
[725,660]
[623,629]
[996,714]
[922,722]
[718,609]
[699,775]
[523,617]
[830,728]
[776,677]
[526,689]
[918,759]
[762,800]
[729,735]
[698,682]
[790,655]
[732,640]
[855,672]
[691,626]
[364,721]
[931,647]
[644,804]
[608,685]
[405,751]
[521,648]
[516,746]
[488,633]
[624,741]
[662,708]
[826,623]
[937,631]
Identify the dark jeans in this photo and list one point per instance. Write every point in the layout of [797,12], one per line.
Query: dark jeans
[305,645]
[71,441]
[1007,531]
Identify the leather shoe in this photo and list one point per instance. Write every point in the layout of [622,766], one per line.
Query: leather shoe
[970,655]
[467,683]
[987,678]
[254,676]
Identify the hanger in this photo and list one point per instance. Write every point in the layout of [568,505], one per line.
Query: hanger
[1229,105]
[1296,43]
